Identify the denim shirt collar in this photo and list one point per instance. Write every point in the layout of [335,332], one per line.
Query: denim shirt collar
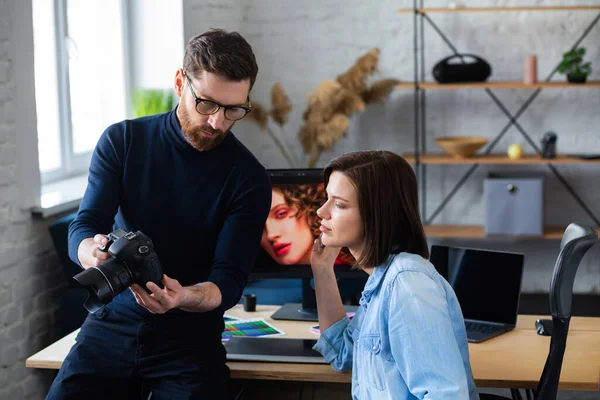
[375,280]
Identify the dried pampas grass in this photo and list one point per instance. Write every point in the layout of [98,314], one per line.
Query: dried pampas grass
[331,105]
[354,78]
[317,138]
[308,136]
[332,131]
[379,91]
[331,98]
[258,115]
[281,105]
[351,103]
[327,114]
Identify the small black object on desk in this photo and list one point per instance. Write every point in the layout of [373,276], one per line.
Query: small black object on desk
[249,302]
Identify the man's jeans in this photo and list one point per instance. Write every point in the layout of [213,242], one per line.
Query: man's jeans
[120,357]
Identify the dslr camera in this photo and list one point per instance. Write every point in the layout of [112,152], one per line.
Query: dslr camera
[132,260]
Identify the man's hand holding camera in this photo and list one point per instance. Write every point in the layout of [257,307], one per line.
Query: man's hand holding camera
[161,300]
[89,252]
[119,260]
[202,297]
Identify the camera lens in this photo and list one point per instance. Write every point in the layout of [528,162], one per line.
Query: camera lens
[104,282]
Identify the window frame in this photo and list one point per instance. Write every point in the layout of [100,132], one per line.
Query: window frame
[72,164]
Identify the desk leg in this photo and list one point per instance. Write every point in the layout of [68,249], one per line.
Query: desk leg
[307,392]
[239,392]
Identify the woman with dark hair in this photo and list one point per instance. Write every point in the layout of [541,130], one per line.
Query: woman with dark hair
[407,340]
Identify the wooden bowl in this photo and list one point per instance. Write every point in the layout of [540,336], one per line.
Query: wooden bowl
[461,146]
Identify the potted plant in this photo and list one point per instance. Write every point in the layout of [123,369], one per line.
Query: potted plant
[573,66]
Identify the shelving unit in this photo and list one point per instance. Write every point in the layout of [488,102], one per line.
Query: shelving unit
[496,9]
[421,158]
[498,85]
[497,159]
[476,232]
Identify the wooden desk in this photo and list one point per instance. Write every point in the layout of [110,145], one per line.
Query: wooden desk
[576,324]
[512,360]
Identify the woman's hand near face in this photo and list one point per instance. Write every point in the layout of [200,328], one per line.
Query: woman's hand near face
[323,257]
[329,302]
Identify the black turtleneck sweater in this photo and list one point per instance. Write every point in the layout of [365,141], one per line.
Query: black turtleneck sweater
[204,210]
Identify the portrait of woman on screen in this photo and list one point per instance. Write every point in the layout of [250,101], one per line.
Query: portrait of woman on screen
[293,225]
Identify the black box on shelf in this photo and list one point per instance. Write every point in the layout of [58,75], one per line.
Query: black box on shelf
[514,205]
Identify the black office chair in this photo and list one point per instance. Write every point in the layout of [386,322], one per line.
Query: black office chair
[576,241]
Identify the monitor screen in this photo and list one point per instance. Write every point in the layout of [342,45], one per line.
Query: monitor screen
[487,283]
[293,225]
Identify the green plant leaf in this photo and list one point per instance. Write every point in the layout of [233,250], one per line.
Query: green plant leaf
[151,101]
[571,64]
[586,68]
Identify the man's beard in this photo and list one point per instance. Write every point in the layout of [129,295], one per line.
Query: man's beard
[193,134]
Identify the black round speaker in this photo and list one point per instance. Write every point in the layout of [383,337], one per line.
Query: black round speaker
[460,68]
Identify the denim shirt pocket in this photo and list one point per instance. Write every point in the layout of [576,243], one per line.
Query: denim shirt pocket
[371,361]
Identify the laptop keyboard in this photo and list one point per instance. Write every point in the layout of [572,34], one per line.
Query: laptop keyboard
[483,328]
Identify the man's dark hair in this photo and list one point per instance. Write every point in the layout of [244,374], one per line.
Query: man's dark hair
[387,201]
[223,53]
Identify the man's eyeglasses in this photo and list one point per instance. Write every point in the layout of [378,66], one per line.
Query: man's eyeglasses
[209,107]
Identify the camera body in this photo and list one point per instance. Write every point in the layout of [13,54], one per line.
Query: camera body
[136,251]
[132,260]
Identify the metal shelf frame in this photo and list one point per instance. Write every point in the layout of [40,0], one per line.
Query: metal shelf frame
[421,17]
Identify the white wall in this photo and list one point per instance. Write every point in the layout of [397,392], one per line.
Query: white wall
[30,278]
[303,43]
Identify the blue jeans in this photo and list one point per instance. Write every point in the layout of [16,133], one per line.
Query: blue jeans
[119,356]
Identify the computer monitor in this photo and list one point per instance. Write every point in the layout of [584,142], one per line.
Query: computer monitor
[289,234]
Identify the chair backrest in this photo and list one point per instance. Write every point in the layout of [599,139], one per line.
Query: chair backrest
[576,241]
[59,231]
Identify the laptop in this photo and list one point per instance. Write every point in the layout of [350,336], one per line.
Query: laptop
[487,284]
[286,350]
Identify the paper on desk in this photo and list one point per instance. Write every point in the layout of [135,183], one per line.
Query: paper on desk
[315,329]
[256,327]
[228,317]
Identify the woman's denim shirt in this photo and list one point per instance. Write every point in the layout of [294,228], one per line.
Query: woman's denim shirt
[407,339]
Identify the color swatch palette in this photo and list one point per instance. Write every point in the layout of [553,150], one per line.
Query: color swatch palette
[249,327]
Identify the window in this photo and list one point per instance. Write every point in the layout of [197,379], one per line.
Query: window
[80,85]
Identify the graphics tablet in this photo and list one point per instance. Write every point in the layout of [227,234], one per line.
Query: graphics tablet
[273,349]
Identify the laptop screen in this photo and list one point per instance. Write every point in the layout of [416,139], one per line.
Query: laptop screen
[487,283]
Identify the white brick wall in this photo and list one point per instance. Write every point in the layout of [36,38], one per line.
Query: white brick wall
[302,43]
[30,277]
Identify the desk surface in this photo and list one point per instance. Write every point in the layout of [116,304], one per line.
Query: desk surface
[514,359]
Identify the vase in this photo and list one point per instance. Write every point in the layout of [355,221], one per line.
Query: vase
[576,78]
[530,70]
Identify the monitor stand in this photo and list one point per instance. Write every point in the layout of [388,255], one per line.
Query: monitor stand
[305,311]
